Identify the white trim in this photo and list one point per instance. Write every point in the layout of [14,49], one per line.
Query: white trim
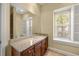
[53,25]
[5,26]
[66,42]
[62,51]
[72,23]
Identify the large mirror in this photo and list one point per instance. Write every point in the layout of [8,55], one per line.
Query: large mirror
[20,22]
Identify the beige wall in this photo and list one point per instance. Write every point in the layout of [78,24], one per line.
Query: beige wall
[17,23]
[67,48]
[47,26]
[36,26]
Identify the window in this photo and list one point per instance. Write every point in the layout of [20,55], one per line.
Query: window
[62,24]
[76,24]
[66,24]
[29,26]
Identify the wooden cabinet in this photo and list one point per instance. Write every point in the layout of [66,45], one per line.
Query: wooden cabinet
[14,52]
[28,52]
[46,43]
[43,47]
[37,49]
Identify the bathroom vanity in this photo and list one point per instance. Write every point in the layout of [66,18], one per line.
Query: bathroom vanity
[34,46]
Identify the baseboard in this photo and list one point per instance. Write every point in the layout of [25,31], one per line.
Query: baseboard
[62,52]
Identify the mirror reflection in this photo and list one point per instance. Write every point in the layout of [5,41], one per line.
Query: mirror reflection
[20,22]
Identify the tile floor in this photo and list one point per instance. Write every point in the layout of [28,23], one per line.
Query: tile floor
[52,53]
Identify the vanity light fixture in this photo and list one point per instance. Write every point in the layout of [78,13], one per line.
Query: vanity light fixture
[21,10]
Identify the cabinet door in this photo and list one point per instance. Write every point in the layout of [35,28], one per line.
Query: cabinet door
[28,52]
[14,52]
[46,43]
[43,46]
[38,49]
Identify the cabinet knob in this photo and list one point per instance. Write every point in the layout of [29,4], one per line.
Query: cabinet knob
[29,51]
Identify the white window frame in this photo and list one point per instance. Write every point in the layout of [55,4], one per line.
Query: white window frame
[67,42]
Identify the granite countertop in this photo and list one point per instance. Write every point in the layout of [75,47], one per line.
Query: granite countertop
[24,43]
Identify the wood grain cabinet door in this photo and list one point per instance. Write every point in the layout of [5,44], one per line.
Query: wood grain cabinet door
[38,49]
[46,43]
[43,47]
[14,52]
[28,52]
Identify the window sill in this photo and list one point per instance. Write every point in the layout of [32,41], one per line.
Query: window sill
[66,42]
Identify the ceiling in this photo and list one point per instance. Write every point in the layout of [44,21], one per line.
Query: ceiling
[42,4]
